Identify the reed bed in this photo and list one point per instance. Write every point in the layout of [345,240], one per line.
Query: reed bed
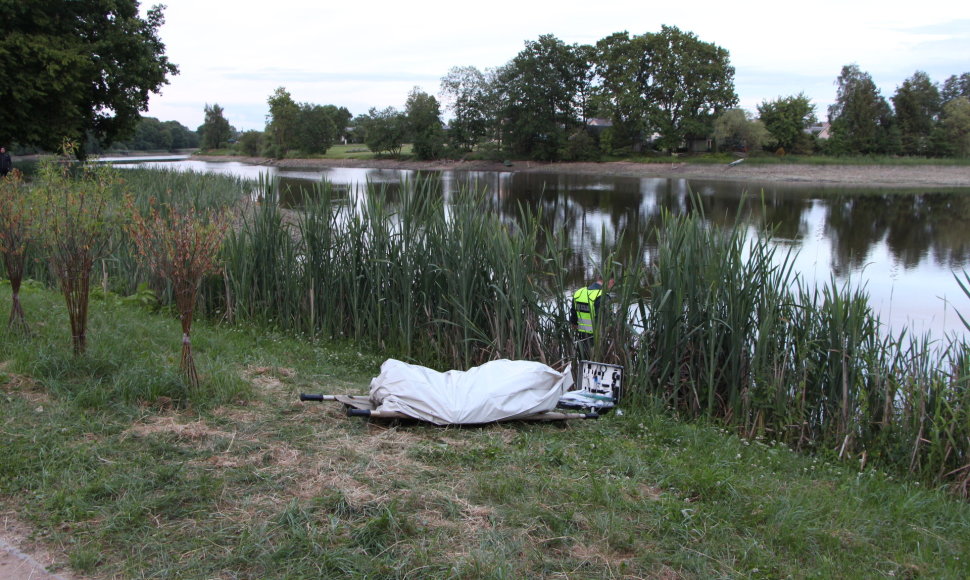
[711,322]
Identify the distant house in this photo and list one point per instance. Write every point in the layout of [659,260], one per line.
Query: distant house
[820,131]
[598,125]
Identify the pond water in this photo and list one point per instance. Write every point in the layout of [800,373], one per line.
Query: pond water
[904,246]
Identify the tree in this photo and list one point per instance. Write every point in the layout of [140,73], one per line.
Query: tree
[424,124]
[735,130]
[691,82]
[315,130]
[955,126]
[251,143]
[182,136]
[182,246]
[861,119]
[215,130]
[469,97]
[955,87]
[542,89]
[384,130]
[16,222]
[77,67]
[786,119]
[622,65]
[281,123]
[76,227]
[670,83]
[917,105]
[151,134]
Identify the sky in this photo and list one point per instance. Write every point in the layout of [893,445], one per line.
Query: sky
[360,55]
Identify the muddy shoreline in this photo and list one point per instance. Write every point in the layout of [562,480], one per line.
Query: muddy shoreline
[850,175]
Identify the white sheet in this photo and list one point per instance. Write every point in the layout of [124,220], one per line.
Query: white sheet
[496,390]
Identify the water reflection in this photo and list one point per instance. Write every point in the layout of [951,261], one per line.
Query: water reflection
[904,246]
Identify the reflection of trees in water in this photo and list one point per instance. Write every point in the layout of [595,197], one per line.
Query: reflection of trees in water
[913,227]
[622,214]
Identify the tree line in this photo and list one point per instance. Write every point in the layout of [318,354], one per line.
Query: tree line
[626,95]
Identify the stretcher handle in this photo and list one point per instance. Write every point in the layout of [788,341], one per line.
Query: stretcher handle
[352,412]
[311,397]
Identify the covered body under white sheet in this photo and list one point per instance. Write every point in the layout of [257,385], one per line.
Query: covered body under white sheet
[495,391]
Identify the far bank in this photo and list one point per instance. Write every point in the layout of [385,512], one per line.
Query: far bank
[861,175]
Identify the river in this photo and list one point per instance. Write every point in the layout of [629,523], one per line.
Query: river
[905,247]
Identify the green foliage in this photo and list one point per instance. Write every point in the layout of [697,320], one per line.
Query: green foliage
[734,130]
[786,119]
[471,98]
[82,67]
[316,129]
[669,82]
[917,105]
[215,130]
[423,117]
[541,96]
[251,143]
[282,122]
[955,126]
[862,121]
[384,131]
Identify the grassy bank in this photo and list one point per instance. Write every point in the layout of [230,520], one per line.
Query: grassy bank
[249,483]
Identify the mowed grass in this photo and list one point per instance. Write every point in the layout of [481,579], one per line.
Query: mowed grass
[126,474]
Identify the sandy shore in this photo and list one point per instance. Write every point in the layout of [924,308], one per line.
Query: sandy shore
[850,175]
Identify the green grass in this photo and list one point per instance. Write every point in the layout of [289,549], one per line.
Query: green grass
[123,474]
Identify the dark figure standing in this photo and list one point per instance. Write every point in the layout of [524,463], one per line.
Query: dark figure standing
[587,302]
[6,164]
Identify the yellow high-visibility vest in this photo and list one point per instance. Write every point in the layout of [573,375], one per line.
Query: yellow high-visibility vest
[584,300]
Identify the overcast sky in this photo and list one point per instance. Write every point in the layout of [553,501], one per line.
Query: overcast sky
[363,54]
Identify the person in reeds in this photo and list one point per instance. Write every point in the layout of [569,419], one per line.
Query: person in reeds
[587,302]
[6,164]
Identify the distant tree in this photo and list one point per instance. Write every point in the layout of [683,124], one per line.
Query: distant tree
[786,119]
[215,130]
[151,135]
[622,65]
[862,121]
[182,136]
[424,127]
[314,131]
[917,105]
[955,127]
[281,123]
[341,118]
[542,97]
[955,87]
[735,130]
[384,130]
[469,96]
[669,82]
[692,82]
[251,142]
[78,67]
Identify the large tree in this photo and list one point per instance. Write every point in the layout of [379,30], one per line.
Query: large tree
[786,119]
[384,130]
[670,83]
[542,97]
[955,87]
[315,129]
[862,121]
[917,104]
[77,67]
[691,83]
